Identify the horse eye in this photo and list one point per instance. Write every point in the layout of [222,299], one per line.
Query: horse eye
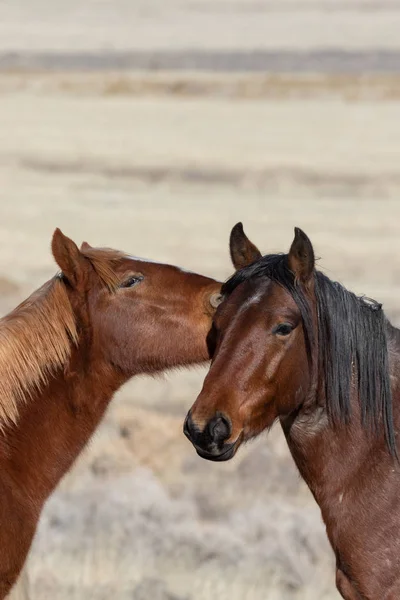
[133,280]
[283,329]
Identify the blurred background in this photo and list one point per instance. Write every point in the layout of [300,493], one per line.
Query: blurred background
[153,126]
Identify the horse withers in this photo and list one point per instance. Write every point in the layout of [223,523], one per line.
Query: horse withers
[64,352]
[291,344]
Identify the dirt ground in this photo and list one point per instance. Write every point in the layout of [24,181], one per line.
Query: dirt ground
[163,165]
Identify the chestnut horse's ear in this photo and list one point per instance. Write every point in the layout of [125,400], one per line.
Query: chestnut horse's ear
[301,256]
[85,246]
[69,258]
[243,251]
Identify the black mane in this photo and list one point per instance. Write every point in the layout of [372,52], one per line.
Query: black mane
[351,338]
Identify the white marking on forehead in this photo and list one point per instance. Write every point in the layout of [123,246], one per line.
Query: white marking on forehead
[253,300]
[157,262]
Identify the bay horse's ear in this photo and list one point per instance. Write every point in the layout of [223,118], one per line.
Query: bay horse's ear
[69,258]
[243,251]
[301,256]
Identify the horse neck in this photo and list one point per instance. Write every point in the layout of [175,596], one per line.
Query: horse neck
[326,457]
[54,426]
[333,460]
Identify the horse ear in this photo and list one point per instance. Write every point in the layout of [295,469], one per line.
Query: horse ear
[301,256]
[85,246]
[243,251]
[69,258]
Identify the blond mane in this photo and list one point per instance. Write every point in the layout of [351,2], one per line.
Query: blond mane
[36,338]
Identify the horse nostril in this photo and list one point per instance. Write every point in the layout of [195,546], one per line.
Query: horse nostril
[220,429]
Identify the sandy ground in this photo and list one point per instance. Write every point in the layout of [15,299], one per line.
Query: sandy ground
[162,166]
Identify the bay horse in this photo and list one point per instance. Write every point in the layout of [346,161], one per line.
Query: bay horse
[66,350]
[291,344]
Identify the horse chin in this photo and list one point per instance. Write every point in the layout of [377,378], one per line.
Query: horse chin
[228,453]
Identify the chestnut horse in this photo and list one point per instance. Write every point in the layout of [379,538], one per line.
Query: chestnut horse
[65,351]
[291,344]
